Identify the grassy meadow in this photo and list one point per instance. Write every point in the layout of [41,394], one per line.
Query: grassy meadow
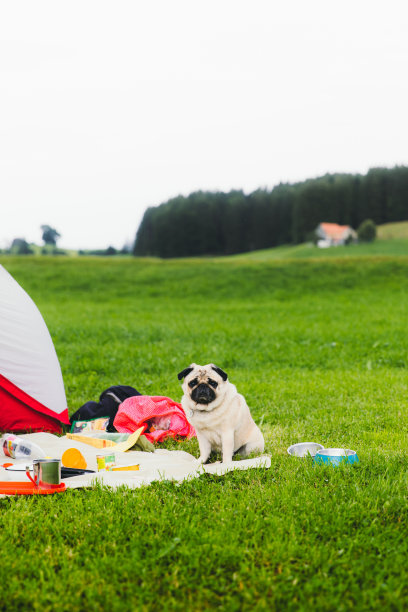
[318,346]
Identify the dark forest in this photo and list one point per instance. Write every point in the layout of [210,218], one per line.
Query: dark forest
[217,223]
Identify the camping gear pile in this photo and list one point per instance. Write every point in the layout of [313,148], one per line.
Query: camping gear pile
[123,409]
[162,464]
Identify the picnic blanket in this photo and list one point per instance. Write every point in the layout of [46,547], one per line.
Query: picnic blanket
[163,464]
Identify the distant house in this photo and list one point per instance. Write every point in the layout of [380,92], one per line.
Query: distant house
[332,234]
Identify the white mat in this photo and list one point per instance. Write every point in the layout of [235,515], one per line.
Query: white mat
[160,465]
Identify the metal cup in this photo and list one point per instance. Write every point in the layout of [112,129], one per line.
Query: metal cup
[46,472]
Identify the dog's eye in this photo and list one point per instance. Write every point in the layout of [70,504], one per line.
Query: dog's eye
[212,383]
[192,383]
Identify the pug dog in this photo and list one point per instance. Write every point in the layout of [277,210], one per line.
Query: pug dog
[218,413]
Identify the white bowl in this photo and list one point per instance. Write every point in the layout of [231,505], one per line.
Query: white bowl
[304,449]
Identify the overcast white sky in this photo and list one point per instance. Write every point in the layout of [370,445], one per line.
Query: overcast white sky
[107,108]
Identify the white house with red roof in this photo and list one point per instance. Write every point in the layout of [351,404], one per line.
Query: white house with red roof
[332,234]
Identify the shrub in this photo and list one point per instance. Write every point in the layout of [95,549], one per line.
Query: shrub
[367,231]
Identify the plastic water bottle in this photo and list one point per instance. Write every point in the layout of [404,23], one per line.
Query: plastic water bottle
[20,448]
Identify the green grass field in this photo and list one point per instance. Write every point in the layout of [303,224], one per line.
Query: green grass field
[392,240]
[393,231]
[318,347]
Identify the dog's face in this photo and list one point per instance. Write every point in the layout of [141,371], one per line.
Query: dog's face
[203,385]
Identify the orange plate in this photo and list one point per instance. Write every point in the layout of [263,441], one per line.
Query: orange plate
[29,488]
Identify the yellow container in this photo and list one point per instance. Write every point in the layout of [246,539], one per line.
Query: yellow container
[105,462]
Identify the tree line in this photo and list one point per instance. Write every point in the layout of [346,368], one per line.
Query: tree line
[208,223]
[20,246]
[50,236]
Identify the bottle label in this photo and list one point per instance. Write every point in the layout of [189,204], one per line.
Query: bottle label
[9,446]
[24,449]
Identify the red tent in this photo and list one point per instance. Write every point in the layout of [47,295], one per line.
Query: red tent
[32,395]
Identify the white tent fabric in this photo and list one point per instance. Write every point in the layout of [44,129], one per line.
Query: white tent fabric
[27,354]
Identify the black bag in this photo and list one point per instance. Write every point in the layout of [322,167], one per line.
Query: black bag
[107,406]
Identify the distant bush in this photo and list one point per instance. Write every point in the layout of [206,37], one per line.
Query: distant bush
[20,246]
[367,231]
[102,252]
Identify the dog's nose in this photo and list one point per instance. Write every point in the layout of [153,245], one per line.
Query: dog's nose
[202,391]
[203,394]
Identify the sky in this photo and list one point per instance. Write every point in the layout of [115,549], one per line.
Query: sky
[107,108]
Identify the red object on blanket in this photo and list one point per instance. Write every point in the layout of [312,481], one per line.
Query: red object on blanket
[153,412]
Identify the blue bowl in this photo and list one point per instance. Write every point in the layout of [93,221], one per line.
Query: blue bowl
[334,456]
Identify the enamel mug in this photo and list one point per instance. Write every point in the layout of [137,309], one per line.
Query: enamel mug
[46,472]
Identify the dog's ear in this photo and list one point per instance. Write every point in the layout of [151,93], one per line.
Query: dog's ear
[184,373]
[223,374]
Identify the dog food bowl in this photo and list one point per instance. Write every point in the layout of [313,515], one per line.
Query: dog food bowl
[334,456]
[304,449]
